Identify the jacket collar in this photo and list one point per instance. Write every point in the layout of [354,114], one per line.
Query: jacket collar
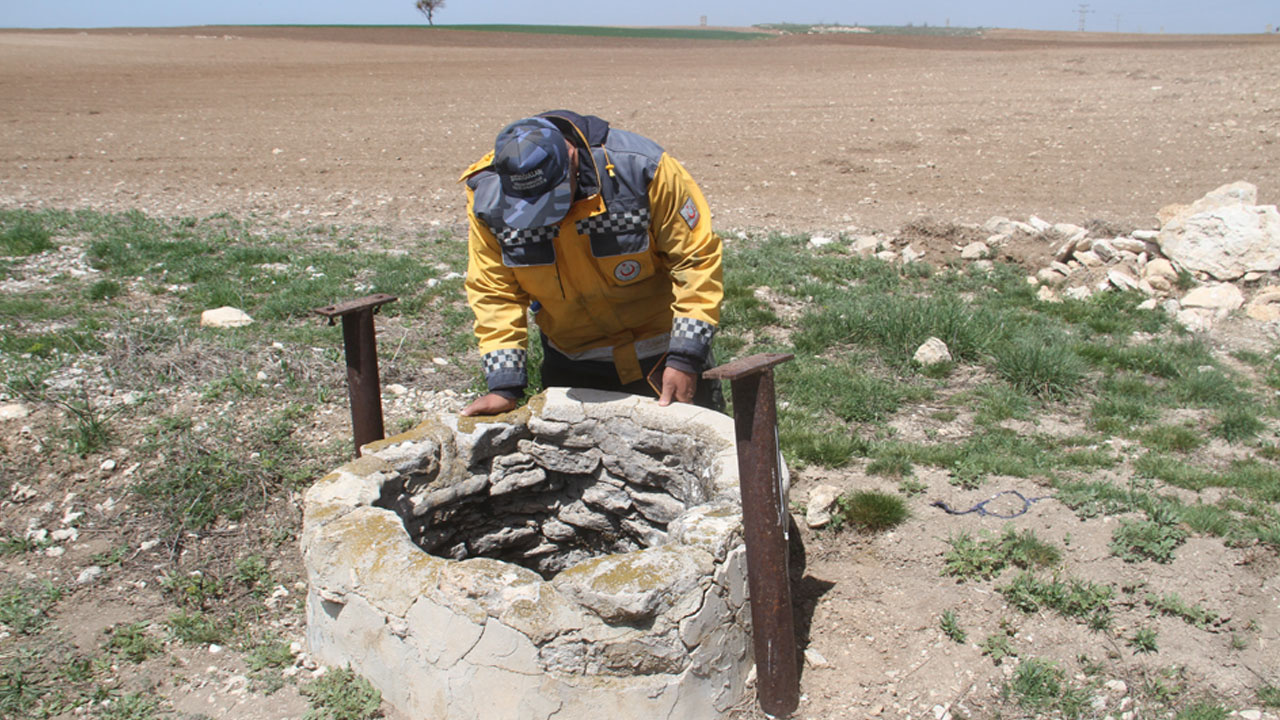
[587,132]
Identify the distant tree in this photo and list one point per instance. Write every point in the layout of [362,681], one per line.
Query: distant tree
[429,8]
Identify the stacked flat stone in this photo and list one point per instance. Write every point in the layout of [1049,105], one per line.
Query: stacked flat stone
[547,494]
[588,561]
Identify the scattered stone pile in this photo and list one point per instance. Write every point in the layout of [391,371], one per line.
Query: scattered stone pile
[1193,266]
[628,515]
[1222,238]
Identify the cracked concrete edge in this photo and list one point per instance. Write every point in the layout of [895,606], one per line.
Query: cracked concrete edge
[382,561]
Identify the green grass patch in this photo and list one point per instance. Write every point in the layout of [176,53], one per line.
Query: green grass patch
[984,558]
[999,646]
[198,628]
[844,388]
[1143,640]
[949,623]
[1255,478]
[1124,400]
[1041,686]
[1040,367]
[103,290]
[1269,695]
[132,641]
[808,440]
[995,452]
[1203,711]
[1072,598]
[895,325]
[268,653]
[24,609]
[1138,540]
[1172,604]
[1111,313]
[871,511]
[132,706]
[998,402]
[1238,424]
[342,695]
[24,683]
[22,234]
[1167,360]
[195,591]
[1173,438]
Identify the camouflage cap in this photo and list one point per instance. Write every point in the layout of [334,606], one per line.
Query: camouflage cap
[532,161]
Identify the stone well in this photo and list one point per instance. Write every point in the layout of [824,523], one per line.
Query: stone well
[579,558]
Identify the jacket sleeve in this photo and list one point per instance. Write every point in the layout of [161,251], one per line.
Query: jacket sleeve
[682,234]
[500,307]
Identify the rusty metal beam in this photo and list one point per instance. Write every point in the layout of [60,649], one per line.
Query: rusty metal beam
[359,340]
[765,523]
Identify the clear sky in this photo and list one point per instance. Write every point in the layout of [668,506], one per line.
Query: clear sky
[1174,16]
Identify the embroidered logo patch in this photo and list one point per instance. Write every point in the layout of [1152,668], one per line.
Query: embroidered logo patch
[626,270]
[690,213]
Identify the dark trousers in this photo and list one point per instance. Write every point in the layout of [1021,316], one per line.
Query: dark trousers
[559,370]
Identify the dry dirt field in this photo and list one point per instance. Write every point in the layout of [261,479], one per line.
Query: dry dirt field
[791,133]
[371,127]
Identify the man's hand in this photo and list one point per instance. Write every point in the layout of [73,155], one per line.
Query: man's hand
[491,404]
[677,385]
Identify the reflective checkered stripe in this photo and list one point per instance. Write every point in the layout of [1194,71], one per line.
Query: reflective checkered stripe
[505,369]
[691,337]
[511,237]
[615,223]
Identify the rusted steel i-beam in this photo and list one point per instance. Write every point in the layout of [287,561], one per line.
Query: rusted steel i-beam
[765,523]
[359,340]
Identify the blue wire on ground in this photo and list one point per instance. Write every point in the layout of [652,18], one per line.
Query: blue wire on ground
[981,508]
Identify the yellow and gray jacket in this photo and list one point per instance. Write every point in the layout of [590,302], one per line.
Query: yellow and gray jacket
[633,270]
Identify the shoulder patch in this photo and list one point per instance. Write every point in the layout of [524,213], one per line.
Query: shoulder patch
[689,211]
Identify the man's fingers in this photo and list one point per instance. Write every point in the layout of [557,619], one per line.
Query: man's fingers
[668,392]
[491,404]
[677,385]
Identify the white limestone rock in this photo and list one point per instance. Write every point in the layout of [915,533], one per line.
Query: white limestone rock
[975,251]
[1069,232]
[999,225]
[1266,312]
[932,352]
[1195,319]
[866,245]
[1223,234]
[225,317]
[1050,276]
[1088,258]
[1122,280]
[1104,250]
[634,587]
[13,411]
[1129,245]
[1160,268]
[821,499]
[1220,297]
[1265,306]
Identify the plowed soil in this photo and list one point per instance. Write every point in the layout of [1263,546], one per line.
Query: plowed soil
[796,133]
